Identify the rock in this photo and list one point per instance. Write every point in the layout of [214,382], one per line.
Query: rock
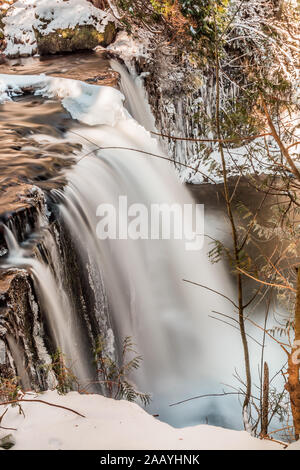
[55,27]
[70,40]
[7,442]
[22,335]
[20,330]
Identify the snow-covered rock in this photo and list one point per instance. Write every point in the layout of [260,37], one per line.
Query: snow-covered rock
[129,48]
[90,104]
[109,424]
[68,25]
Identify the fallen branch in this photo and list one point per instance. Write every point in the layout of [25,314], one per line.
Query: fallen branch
[41,401]
[280,144]
[8,429]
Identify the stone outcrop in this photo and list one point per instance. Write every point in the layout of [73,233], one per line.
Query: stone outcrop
[70,40]
[22,332]
[22,335]
[28,28]
[19,207]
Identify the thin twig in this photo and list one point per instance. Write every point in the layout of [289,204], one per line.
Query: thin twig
[212,290]
[194,139]
[279,286]
[205,396]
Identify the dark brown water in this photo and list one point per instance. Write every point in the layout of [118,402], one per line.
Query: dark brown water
[33,146]
[33,149]
[92,67]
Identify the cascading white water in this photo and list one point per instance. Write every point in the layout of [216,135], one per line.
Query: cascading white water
[185,353]
[55,302]
[135,99]
[136,286]
[182,353]
[19,362]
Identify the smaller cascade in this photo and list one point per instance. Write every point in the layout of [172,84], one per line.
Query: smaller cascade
[43,264]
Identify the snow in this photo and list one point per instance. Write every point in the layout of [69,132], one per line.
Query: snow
[90,104]
[294,446]
[109,424]
[24,16]
[128,47]
[247,159]
[5,5]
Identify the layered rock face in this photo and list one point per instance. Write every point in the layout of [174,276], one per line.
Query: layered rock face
[27,339]
[29,170]
[22,334]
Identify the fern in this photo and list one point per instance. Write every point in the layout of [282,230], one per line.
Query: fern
[114,377]
[66,380]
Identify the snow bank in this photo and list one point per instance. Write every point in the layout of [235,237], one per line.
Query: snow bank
[127,47]
[25,16]
[111,424]
[90,104]
[243,159]
[294,446]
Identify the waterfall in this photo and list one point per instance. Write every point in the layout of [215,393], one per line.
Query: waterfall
[19,361]
[60,317]
[147,298]
[131,86]
[136,286]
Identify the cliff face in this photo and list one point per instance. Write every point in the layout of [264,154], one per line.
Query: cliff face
[22,332]
[28,340]
[256,51]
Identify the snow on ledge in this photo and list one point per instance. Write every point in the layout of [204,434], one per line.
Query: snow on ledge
[90,104]
[129,47]
[26,15]
[111,425]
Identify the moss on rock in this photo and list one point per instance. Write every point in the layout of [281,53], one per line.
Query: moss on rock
[79,38]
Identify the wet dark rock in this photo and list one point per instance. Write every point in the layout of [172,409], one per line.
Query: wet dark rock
[22,334]
[70,40]
[7,442]
[20,204]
